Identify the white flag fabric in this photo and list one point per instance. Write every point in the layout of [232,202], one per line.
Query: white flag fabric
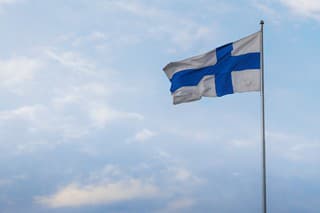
[231,68]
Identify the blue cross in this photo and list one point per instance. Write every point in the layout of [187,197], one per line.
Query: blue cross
[226,63]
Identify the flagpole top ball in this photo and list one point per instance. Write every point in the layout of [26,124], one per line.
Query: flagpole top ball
[261,22]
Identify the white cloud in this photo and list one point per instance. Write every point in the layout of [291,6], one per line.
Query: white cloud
[177,172]
[143,135]
[293,147]
[106,173]
[25,113]
[17,70]
[102,193]
[72,60]
[64,100]
[90,102]
[97,35]
[71,113]
[158,23]
[244,143]
[179,205]
[3,2]
[111,184]
[102,115]
[137,8]
[77,106]
[33,145]
[305,8]
[191,134]
[304,152]
[181,174]
[80,94]
[93,37]
[83,118]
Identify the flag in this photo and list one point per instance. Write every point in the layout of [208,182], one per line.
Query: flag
[231,68]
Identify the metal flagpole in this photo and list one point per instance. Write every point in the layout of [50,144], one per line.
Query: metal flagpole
[264,184]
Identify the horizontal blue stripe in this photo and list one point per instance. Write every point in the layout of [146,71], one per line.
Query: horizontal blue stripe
[225,64]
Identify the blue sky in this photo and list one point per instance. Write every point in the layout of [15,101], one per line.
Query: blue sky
[87,122]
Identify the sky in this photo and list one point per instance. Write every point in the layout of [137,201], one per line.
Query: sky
[87,122]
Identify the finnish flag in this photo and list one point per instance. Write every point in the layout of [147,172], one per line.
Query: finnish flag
[231,68]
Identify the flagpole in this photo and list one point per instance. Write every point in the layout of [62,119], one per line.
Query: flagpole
[264,184]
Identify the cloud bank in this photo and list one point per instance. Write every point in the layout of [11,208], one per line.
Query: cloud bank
[78,195]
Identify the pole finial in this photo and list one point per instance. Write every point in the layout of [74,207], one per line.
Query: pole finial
[261,22]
